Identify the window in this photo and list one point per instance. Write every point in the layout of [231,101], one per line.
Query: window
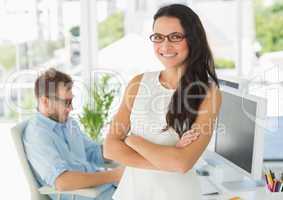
[34,35]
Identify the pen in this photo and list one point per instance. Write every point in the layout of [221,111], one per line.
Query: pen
[278,187]
[270,181]
[267,182]
[272,175]
[274,186]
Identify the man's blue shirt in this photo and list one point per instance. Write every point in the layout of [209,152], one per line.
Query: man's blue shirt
[53,148]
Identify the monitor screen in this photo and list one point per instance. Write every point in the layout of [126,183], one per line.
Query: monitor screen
[235,130]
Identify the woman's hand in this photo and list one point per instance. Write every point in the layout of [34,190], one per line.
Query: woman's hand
[187,138]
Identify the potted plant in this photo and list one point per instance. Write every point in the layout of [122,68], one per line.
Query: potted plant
[95,113]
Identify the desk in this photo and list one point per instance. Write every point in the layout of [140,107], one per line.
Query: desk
[259,194]
[224,173]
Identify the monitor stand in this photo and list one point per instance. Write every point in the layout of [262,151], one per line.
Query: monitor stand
[218,171]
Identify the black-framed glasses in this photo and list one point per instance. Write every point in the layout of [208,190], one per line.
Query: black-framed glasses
[172,37]
[66,102]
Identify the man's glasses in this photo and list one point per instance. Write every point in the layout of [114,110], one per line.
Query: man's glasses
[66,102]
[172,37]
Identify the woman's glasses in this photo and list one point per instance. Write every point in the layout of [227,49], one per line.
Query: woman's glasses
[172,37]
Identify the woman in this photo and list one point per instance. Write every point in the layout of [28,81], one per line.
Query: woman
[159,107]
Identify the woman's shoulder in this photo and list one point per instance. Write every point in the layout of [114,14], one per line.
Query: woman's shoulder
[212,100]
[144,77]
[134,83]
[213,87]
[214,92]
[142,83]
[136,79]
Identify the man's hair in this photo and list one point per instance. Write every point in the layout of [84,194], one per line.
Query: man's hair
[47,83]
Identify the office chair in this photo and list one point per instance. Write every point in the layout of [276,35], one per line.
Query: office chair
[37,192]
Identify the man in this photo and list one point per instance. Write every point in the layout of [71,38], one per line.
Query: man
[59,153]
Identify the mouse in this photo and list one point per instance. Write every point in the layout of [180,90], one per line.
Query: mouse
[202,172]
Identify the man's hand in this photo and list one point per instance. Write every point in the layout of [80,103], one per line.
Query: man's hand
[187,138]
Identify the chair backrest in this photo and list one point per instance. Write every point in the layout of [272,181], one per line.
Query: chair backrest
[17,133]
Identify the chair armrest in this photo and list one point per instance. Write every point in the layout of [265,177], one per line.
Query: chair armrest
[47,190]
[87,192]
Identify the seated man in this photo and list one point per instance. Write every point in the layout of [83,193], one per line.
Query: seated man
[59,153]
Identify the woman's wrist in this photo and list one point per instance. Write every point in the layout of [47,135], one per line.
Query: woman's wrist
[131,140]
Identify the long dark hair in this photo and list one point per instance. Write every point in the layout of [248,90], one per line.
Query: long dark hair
[199,69]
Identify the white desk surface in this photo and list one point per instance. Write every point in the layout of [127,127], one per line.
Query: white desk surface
[259,194]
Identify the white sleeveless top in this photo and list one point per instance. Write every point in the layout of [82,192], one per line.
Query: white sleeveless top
[147,120]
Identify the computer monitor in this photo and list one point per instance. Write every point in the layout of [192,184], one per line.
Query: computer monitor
[240,132]
[235,82]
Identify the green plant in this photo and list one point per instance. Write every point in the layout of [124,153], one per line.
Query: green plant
[109,30]
[95,113]
[7,55]
[221,63]
[269,26]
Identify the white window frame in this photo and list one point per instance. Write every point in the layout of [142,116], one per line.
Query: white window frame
[89,41]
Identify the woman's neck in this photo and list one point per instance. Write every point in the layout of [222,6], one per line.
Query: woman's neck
[170,77]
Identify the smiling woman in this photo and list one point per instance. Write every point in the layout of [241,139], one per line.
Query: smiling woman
[159,109]
[173,51]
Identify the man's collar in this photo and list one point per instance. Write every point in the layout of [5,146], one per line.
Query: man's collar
[49,122]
